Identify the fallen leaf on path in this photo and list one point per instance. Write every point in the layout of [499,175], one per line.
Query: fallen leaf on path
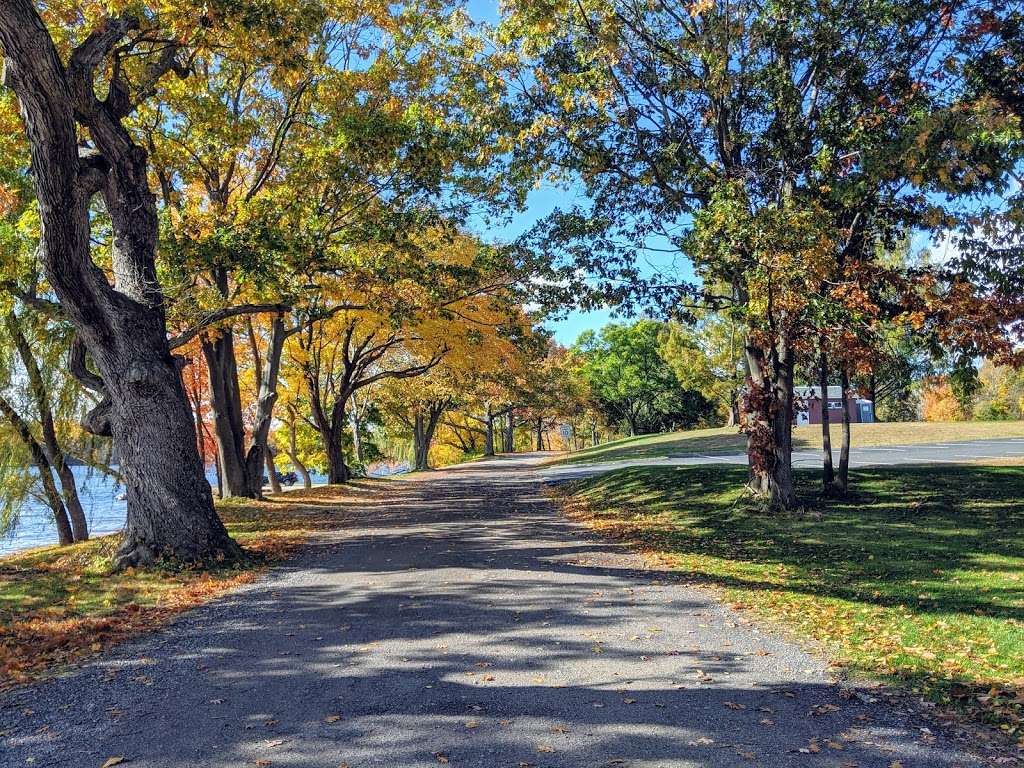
[110,762]
[812,748]
[332,718]
[442,758]
[734,705]
[545,748]
[824,709]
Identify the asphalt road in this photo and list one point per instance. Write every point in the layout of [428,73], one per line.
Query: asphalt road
[925,453]
[458,619]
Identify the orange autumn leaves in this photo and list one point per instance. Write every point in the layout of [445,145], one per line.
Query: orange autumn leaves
[60,606]
[42,641]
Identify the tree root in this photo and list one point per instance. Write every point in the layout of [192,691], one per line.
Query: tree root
[134,553]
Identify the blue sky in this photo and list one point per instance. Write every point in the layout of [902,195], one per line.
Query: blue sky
[542,202]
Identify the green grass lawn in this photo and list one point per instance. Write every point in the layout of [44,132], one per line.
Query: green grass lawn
[917,576]
[728,440]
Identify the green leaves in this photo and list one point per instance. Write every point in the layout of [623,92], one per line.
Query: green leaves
[631,382]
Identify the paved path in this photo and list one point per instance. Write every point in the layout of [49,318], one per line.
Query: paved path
[923,453]
[458,620]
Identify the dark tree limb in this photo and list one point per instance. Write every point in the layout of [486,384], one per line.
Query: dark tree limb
[224,314]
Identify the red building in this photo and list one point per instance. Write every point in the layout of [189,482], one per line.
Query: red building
[808,406]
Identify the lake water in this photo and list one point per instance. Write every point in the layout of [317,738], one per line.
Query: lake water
[103,510]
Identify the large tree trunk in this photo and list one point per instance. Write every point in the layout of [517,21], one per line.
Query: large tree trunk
[65,535]
[267,375]
[827,472]
[275,484]
[424,426]
[170,506]
[769,425]
[226,406]
[509,435]
[593,433]
[330,429]
[420,446]
[843,479]
[540,434]
[337,470]
[72,502]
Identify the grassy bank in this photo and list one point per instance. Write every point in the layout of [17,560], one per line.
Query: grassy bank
[61,604]
[727,440]
[917,577]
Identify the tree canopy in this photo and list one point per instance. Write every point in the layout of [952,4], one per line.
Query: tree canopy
[235,235]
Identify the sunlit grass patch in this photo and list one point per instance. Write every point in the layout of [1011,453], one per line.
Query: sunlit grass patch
[917,576]
[728,440]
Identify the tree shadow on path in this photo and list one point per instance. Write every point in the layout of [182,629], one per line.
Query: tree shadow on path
[456,619]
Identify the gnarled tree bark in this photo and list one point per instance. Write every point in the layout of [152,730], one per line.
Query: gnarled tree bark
[769,423]
[170,505]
